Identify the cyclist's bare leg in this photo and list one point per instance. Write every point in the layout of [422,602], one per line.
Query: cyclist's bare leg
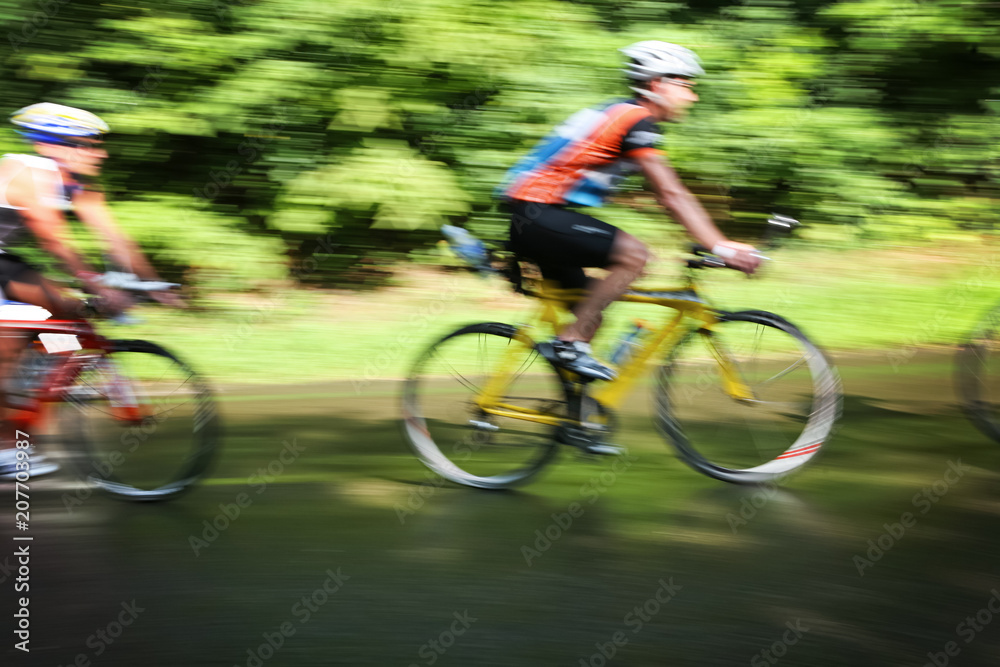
[44,294]
[38,292]
[576,308]
[627,261]
[11,342]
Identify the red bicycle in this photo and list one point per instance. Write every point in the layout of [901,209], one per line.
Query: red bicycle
[138,422]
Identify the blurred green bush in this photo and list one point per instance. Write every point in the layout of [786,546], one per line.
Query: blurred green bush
[253,136]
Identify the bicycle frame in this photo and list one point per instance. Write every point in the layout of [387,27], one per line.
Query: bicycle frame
[554,303]
[61,376]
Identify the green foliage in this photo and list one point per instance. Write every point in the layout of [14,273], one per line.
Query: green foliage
[246,128]
[392,182]
[181,232]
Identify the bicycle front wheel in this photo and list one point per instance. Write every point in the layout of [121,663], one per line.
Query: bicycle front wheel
[748,401]
[978,376]
[141,423]
[449,431]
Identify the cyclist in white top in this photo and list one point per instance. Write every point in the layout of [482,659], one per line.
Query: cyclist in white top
[36,192]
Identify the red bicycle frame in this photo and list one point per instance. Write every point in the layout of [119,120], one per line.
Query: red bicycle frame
[62,375]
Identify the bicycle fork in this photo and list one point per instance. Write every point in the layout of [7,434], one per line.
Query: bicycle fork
[119,391]
[732,380]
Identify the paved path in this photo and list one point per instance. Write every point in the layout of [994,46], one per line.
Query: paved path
[351,555]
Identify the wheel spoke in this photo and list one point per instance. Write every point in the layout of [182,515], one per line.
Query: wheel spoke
[441,394]
[796,364]
[979,376]
[165,441]
[792,391]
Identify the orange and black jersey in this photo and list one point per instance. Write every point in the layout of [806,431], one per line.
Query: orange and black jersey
[583,159]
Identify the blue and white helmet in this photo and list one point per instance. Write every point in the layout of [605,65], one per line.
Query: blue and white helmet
[57,124]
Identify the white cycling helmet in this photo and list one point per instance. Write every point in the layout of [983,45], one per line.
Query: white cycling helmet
[653,59]
[57,124]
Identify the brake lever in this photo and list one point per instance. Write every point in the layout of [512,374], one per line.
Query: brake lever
[778,224]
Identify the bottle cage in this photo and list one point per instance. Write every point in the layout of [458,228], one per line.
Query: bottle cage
[510,268]
[524,275]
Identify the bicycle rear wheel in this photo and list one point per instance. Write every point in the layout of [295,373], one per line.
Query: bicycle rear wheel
[141,423]
[978,376]
[778,425]
[453,436]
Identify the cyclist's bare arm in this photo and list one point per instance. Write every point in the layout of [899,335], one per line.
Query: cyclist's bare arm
[686,209]
[48,225]
[92,209]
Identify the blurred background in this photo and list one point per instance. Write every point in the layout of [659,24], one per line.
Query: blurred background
[290,162]
[264,151]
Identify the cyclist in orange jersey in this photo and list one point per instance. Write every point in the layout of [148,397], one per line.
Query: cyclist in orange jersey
[578,165]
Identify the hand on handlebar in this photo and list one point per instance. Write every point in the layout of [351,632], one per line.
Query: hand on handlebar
[109,301]
[171,299]
[114,302]
[738,255]
[117,289]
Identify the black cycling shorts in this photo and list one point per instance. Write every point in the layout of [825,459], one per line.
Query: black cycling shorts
[15,269]
[560,240]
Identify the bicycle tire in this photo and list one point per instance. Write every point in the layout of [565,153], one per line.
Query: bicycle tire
[426,429]
[790,447]
[171,418]
[978,383]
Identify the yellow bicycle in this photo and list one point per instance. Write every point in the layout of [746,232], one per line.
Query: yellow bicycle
[743,396]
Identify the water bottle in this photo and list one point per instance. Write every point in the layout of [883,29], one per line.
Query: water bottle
[467,246]
[627,345]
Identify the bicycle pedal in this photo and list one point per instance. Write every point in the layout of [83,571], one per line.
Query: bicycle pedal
[604,449]
[480,425]
[588,445]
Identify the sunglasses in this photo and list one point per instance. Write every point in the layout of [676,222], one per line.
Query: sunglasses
[72,142]
[81,143]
